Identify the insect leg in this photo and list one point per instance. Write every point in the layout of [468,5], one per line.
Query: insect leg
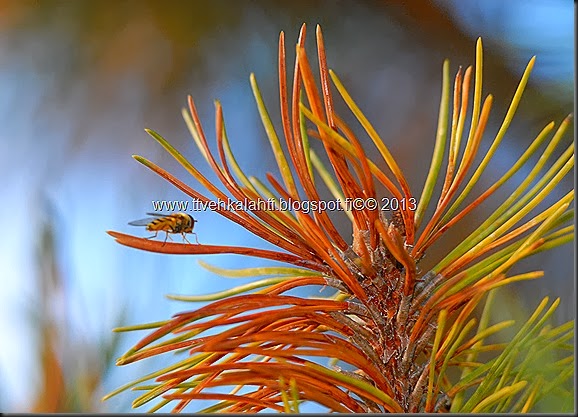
[166,237]
[185,238]
[152,237]
[196,237]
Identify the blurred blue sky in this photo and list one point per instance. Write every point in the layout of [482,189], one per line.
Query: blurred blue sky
[68,132]
[522,28]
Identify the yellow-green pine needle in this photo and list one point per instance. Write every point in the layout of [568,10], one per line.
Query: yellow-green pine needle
[432,362]
[439,147]
[499,136]
[508,205]
[329,182]
[538,384]
[526,332]
[305,140]
[284,168]
[455,345]
[144,378]
[477,86]
[230,292]
[294,395]
[362,385]
[344,145]
[383,150]
[284,396]
[234,164]
[194,133]
[515,168]
[497,396]
[255,272]
[145,326]
[184,162]
[265,191]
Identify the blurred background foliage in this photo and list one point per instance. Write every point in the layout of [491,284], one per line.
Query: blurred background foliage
[79,81]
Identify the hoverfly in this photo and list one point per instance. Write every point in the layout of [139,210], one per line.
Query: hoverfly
[169,223]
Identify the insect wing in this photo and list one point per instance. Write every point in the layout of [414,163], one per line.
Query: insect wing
[142,222]
[158,214]
[147,220]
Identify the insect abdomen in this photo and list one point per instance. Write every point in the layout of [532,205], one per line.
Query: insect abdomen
[164,224]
